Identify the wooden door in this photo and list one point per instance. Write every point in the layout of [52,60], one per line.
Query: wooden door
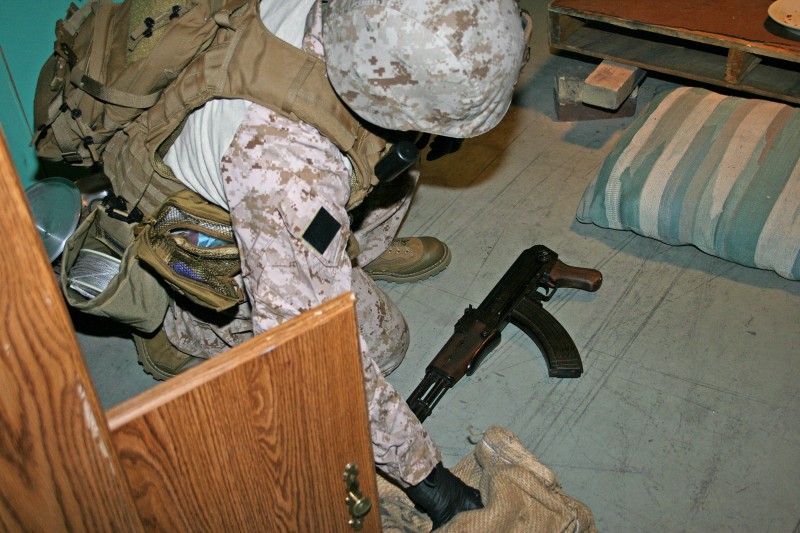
[58,470]
[256,439]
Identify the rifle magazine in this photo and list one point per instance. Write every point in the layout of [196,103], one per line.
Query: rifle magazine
[558,348]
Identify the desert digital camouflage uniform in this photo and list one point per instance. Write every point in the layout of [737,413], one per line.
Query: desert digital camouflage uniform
[278,175]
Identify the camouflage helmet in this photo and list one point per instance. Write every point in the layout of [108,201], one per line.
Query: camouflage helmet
[436,66]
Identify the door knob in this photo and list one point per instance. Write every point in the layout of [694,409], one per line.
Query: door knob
[357,504]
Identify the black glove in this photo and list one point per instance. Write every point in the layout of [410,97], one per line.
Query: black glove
[442,495]
[440,147]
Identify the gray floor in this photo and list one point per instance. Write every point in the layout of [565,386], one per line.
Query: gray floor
[687,417]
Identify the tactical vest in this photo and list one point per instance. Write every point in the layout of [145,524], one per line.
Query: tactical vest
[241,59]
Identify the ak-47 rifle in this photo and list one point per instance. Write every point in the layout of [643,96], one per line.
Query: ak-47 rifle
[516,299]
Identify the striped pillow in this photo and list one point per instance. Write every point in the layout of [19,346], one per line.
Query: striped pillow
[715,171]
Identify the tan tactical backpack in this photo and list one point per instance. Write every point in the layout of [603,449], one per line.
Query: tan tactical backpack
[124,76]
[116,92]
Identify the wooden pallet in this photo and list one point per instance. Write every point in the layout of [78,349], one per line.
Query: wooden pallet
[730,43]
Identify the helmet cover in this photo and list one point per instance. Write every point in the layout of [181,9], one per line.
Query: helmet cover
[446,67]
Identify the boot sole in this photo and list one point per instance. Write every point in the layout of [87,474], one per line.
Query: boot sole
[157,370]
[150,367]
[415,276]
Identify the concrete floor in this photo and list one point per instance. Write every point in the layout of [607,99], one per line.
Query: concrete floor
[687,417]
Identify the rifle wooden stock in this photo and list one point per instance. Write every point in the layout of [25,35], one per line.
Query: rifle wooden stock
[515,299]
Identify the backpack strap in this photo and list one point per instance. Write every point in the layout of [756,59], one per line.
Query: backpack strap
[111,95]
[68,27]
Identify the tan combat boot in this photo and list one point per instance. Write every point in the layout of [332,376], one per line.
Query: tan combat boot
[410,259]
[160,358]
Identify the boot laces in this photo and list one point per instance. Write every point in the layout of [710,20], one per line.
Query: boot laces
[399,246]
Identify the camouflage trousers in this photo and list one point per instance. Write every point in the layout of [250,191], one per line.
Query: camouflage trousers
[281,179]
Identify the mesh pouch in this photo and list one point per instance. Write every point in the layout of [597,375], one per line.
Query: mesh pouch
[131,296]
[190,244]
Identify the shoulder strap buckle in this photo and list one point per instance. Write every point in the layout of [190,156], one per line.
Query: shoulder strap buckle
[117,207]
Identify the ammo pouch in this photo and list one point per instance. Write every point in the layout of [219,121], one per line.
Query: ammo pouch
[189,243]
[133,296]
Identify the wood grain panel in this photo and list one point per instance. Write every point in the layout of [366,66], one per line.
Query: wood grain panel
[750,66]
[57,468]
[743,22]
[255,439]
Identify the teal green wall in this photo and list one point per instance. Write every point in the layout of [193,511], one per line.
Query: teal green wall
[27,32]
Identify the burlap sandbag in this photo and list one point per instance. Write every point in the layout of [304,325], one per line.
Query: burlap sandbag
[520,495]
